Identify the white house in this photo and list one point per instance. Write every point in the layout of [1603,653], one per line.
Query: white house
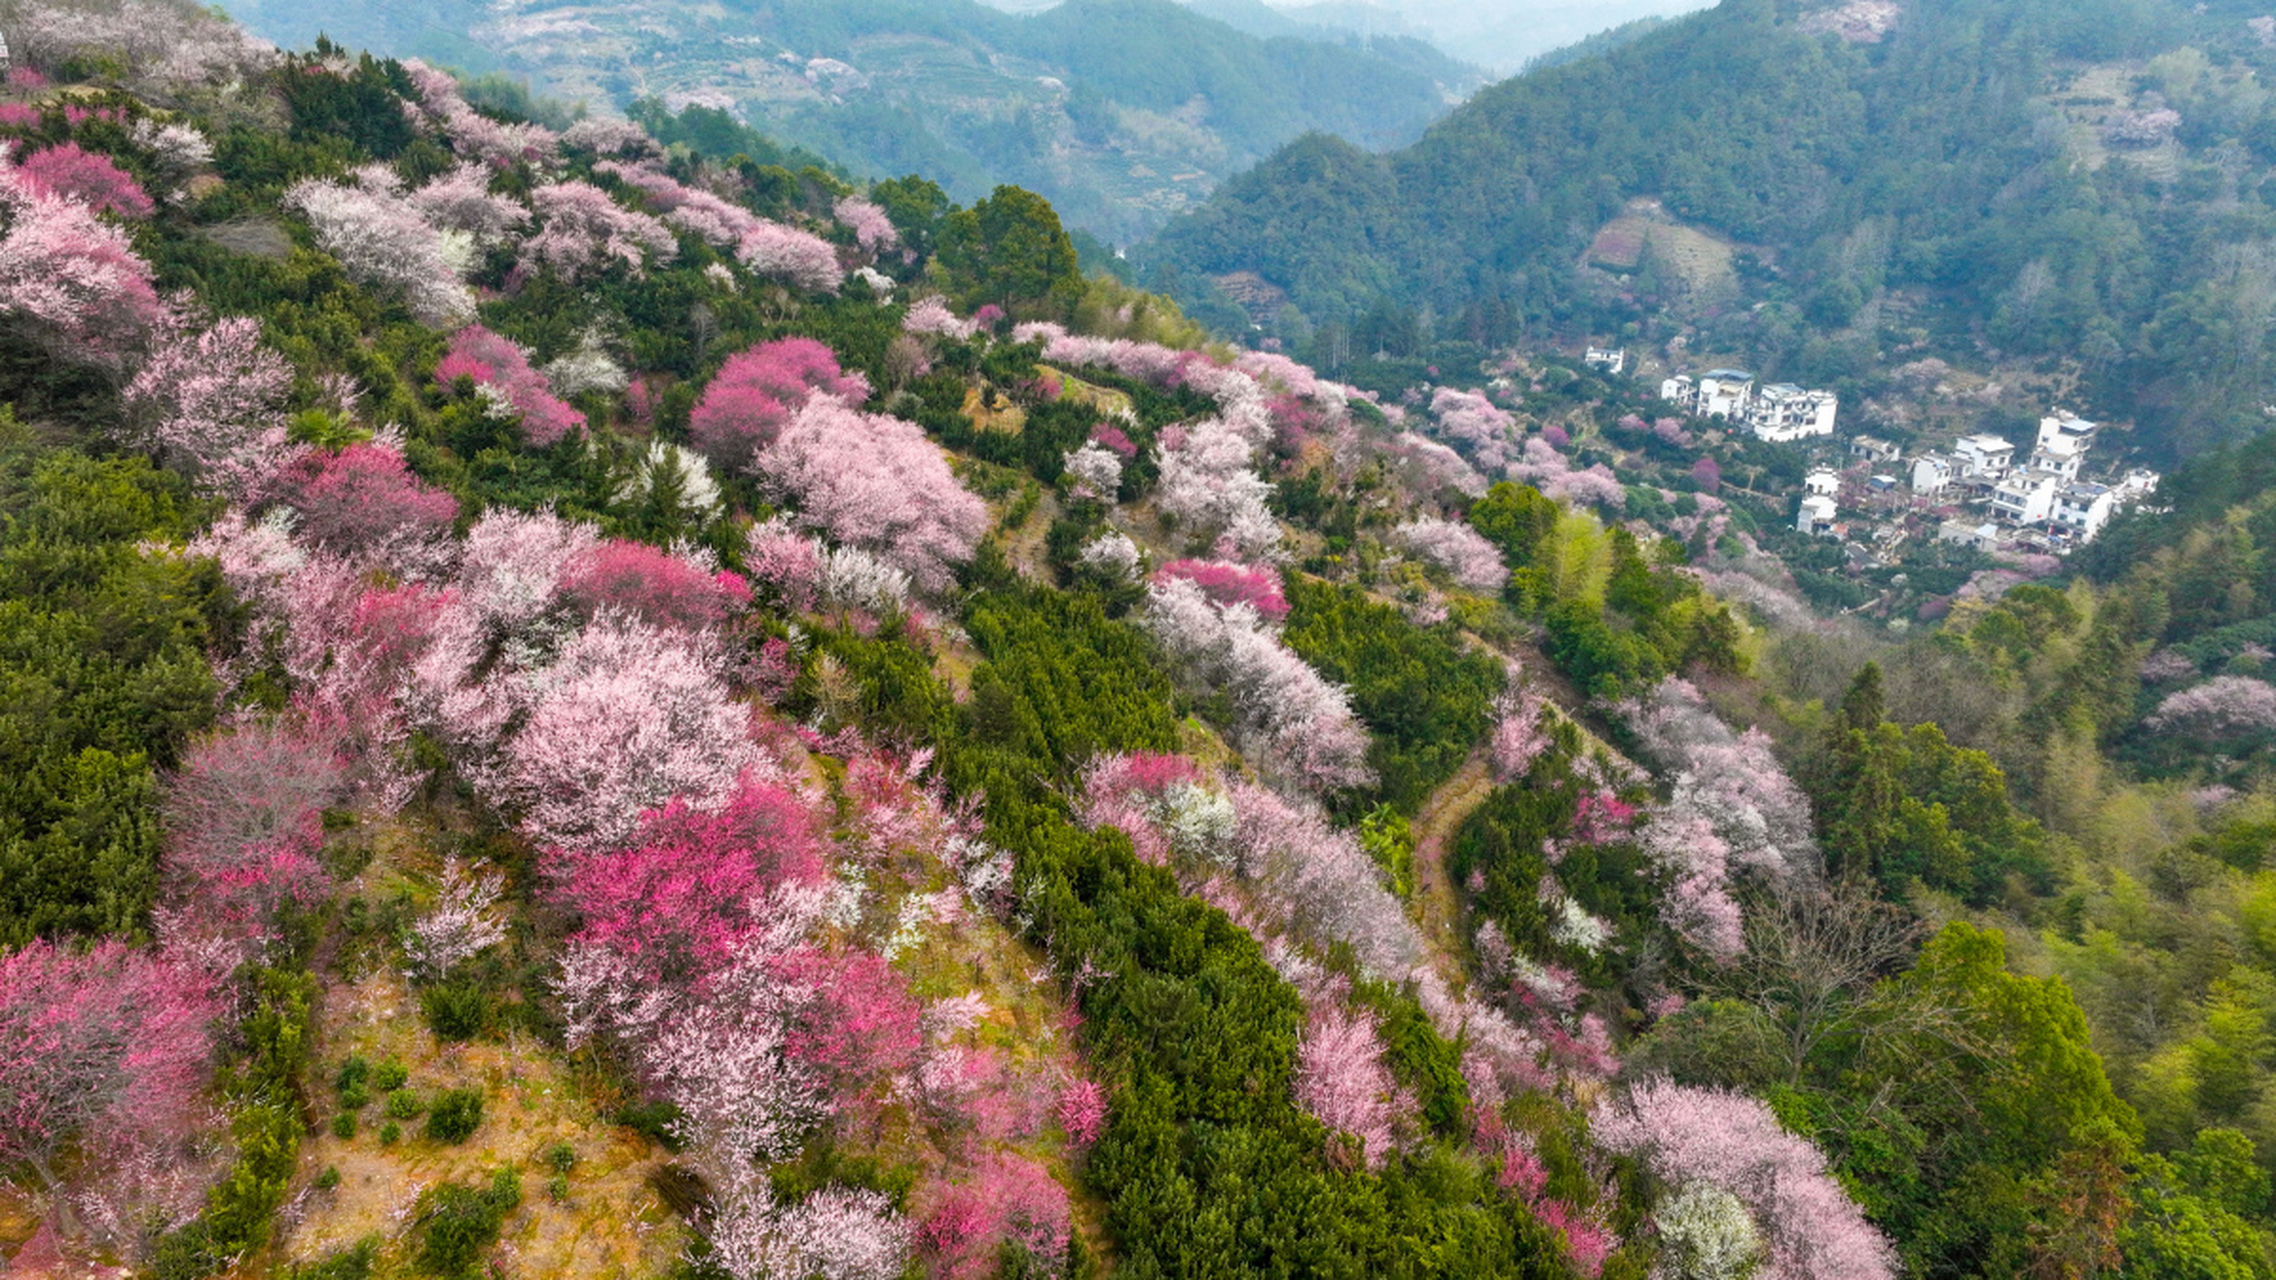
[2136,486]
[1611,361]
[1983,537]
[1816,514]
[1983,455]
[1823,482]
[1873,449]
[2062,445]
[2083,509]
[2026,497]
[1717,393]
[1782,412]
[1930,474]
[1725,393]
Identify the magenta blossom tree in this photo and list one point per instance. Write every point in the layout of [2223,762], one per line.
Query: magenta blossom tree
[651,584]
[362,500]
[103,1053]
[67,172]
[501,372]
[1007,1199]
[677,902]
[1229,584]
[758,391]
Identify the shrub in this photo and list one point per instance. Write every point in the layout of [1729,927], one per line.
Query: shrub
[390,1133]
[344,1125]
[348,1264]
[456,1115]
[390,1075]
[403,1106]
[459,1224]
[456,1011]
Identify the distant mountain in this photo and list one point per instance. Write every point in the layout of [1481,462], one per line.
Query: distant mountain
[1123,112]
[2080,190]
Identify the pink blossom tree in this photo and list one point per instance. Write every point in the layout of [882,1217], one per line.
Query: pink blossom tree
[1426,467]
[2222,707]
[785,563]
[162,43]
[758,391]
[583,230]
[212,400]
[103,1053]
[460,201]
[1341,1080]
[1082,1111]
[244,824]
[1293,724]
[1477,426]
[797,258]
[67,172]
[876,482]
[384,244]
[627,718]
[473,135]
[690,209]
[1518,737]
[1698,906]
[930,315]
[1317,881]
[1728,1141]
[1733,781]
[873,231]
[1457,548]
[71,278]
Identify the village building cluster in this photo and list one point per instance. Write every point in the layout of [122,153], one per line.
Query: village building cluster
[1979,491]
[1778,413]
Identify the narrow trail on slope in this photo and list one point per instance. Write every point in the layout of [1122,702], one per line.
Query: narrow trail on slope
[1436,905]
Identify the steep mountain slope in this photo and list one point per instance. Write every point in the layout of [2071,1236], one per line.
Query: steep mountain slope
[2072,184]
[1121,111]
[574,708]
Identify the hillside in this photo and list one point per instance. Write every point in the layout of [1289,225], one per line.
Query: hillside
[2008,187]
[1122,112]
[575,707]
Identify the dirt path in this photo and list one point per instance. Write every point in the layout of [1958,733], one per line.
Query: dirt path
[1436,907]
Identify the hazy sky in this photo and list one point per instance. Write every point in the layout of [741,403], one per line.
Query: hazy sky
[1503,33]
